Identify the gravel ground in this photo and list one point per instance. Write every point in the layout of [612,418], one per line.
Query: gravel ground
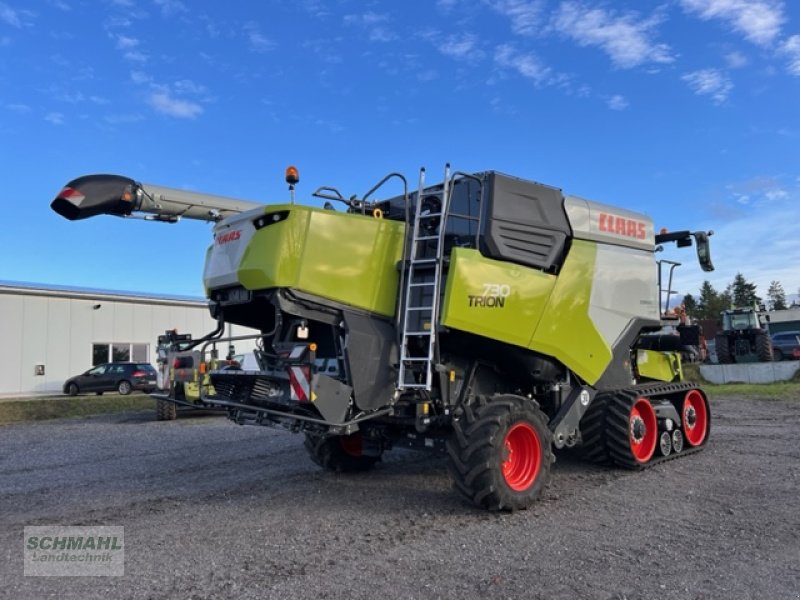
[212,510]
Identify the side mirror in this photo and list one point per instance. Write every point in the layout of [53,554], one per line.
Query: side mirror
[704,250]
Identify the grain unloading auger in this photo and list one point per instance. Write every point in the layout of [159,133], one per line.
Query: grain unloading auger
[489,317]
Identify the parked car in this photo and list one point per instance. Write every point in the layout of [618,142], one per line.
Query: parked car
[122,377]
[786,344]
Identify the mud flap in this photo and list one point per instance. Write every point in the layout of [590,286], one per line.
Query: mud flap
[332,398]
[371,348]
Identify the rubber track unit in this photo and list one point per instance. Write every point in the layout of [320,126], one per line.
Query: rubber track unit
[605,445]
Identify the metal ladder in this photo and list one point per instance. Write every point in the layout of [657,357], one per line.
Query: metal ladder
[422,289]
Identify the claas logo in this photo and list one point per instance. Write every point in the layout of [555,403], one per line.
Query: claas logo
[621,226]
[231,236]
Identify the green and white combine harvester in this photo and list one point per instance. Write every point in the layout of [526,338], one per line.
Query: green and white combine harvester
[487,317]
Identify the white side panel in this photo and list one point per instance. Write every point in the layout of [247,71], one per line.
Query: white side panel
[609,224]
[625,287]
[11,333]
[231,237]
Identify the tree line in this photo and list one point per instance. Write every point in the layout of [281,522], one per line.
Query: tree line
[740,293]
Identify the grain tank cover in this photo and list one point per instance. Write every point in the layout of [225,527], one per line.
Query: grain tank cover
[525,222]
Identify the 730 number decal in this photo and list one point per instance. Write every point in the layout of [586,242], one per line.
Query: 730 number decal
[494,296]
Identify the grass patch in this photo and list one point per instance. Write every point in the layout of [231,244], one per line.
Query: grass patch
[780,390]
[62,407]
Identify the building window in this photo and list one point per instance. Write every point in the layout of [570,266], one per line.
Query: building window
[119,352]
[99,354]
[139,352]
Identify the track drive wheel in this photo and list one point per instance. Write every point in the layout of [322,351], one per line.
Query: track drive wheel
[339,453]
[500,452]
[166,410]
[694,418]
[632,430]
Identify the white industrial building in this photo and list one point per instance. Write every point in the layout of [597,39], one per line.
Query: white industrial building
[50,333]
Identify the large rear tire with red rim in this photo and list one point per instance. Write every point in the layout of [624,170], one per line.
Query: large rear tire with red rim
[500,452]
[339,453]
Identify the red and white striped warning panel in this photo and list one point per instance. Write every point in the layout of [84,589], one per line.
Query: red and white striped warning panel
[300,383]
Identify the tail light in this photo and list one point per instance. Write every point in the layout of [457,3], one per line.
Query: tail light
[139,374]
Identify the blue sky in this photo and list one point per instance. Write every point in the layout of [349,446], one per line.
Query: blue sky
[687,110]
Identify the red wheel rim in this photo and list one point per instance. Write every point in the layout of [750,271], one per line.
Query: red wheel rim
[352,444]
[642,430]
[523,457]
[694,418]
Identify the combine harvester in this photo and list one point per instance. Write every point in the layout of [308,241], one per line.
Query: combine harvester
[485,316]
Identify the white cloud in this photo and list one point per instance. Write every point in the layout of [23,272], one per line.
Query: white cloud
[461,47]
[167,104]
[171,7]
[736,60]
[759,21]
[316,8]
[136,56]
[186,86]
[332,126]
[427,75]
[14,17]
[525,15]
[9,16]
[625,38]
[125,42]
[18,108]
[709,82]
[617,102]
[526,64]
[56,118]
[758,191]
[791,48]
[374,23]
[258,41]
[366,19]
[139,77]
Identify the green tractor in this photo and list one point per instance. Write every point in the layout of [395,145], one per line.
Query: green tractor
[486,317]
[743,339]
